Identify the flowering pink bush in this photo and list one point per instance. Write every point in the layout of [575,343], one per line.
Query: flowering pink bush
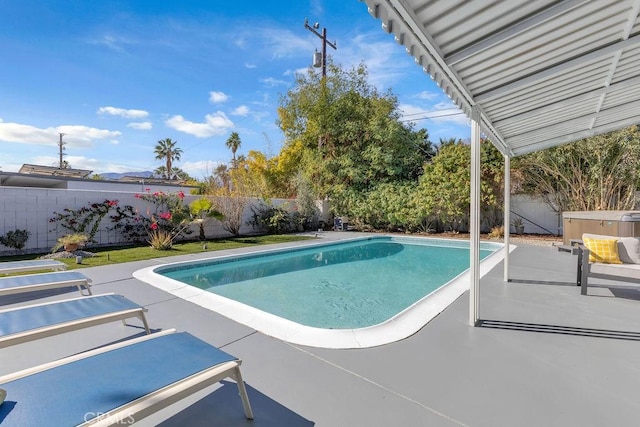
[85,220]
[166,216]
[170,217]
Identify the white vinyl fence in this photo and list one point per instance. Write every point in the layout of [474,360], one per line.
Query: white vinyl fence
[537,216]
[29,208]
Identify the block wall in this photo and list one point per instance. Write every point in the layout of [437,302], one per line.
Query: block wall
[31,208]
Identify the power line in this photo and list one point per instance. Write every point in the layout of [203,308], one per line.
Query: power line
[432,112]
[429,117]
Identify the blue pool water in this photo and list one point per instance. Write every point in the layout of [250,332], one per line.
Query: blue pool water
[336,286]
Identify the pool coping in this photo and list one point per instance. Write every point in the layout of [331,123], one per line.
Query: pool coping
[400,326]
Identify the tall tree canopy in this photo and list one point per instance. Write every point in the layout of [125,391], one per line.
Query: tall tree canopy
[597,173]
[347,137]
[167,150]
[443,194]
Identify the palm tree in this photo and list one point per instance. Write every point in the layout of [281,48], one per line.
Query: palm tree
[222,176]
[177,173]
[166,149]
[233,143]
[160,172]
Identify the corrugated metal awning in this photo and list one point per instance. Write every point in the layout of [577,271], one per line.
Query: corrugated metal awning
[542,73]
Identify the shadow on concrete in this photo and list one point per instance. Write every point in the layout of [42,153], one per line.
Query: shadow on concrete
[28,296]
[542,282]
[558,329]
[626,293]
[224,408]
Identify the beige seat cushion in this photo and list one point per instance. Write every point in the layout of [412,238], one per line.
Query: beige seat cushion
[629,271]
[629,250]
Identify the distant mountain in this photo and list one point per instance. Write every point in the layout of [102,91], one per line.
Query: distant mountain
[116,176]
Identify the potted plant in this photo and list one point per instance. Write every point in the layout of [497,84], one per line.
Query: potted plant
[518,224]
[71,242]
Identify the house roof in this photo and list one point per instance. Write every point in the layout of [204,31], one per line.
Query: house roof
[541,73]
[53,171]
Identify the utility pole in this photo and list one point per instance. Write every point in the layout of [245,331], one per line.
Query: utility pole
[325,42]
[63,164]
[320,62]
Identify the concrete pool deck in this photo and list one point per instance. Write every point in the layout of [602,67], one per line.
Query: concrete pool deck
[544,355]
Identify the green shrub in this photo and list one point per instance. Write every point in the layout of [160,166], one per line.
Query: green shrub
[161,240]
[271,219]
[16,239]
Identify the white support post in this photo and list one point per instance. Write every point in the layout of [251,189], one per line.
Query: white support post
[507,213]
[474,223]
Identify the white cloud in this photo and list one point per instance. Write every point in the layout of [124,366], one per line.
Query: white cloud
[75,135]
[242,110]
[317,7]
[286,43]
[216,97]
[271,82]
[128,114]
[250,66]
[386,61]
[201,169]
[140,125]
[240,42]
[83,135]
[113,42]
[296,71]
[214,124]
[427,96]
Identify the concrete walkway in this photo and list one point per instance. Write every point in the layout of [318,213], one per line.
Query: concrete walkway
[543,356]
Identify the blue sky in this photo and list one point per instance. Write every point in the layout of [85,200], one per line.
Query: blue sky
[117,76]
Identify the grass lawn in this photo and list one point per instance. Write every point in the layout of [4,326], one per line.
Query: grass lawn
[116,255]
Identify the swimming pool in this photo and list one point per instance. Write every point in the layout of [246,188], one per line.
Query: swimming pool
[348,294]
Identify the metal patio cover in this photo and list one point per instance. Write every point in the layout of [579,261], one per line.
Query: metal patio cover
[541,73]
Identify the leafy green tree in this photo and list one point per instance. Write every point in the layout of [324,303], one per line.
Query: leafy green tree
[283,168]
[443,192]
[389,206]
[597,173]
[167,150]
[306,208]
[347,136]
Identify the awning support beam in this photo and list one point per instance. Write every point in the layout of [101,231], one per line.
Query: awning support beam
[507,214]
[474,223]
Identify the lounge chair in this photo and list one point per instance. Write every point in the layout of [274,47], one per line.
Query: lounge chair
[35,265]
[22,324]
[624,265]
[123,382]
[38,282]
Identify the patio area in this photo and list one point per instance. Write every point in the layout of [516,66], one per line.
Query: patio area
[543,355]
